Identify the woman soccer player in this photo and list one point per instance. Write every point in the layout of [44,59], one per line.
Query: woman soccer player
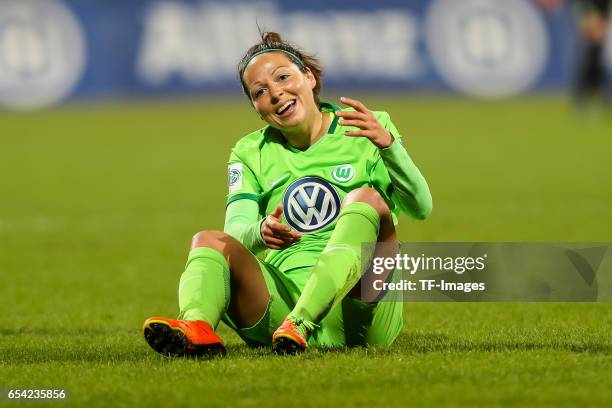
[329,179]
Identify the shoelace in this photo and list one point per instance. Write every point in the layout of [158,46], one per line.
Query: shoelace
[302,326]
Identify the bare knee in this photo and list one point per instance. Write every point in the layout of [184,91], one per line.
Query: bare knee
[370,196]
[210,239]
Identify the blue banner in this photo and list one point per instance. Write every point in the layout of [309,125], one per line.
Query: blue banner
[57,50]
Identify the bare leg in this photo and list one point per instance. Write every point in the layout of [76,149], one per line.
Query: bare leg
[248,291]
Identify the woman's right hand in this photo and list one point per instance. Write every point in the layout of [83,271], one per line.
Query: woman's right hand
[275,234]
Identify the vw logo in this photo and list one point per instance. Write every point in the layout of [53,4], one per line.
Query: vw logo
[310,204]
[42,52]
[487,48]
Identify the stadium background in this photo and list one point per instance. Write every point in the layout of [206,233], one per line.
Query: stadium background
[116,122]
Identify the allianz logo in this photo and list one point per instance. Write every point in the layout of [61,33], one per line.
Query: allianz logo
[485,48]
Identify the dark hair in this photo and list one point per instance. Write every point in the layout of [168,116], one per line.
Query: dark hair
[273,41]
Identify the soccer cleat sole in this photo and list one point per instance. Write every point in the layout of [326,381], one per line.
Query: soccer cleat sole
[172,342]
[286,346]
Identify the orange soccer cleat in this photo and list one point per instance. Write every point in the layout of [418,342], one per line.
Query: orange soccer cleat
[182,338]
[287,339]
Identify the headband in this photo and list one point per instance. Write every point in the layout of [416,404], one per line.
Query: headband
[294,57]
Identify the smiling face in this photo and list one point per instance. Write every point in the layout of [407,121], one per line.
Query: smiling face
[279,91]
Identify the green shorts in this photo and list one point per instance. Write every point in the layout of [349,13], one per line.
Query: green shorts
[349,323]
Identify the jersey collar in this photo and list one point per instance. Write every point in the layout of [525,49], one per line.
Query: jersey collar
[330,107]
[323,107]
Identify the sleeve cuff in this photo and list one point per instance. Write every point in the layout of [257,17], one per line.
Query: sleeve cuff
[259,243]
[394,151]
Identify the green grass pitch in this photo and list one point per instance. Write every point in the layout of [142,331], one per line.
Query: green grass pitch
[99,204]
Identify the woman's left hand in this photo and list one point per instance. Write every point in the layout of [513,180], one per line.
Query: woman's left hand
[367,123]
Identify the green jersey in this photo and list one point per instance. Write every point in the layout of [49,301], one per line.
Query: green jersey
[310,184]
